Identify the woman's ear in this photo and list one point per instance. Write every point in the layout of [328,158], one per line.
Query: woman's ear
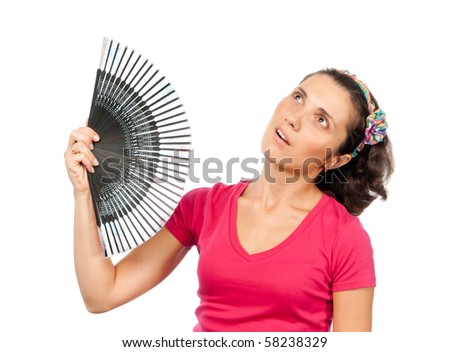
[341,160]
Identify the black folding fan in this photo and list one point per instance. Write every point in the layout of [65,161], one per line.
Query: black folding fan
[143,150]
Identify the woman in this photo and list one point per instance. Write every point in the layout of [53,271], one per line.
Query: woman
[284,252]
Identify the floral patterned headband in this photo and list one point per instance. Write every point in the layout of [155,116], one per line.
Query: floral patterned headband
[376,124]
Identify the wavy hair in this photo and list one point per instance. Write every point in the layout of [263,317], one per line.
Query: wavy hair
[367,174]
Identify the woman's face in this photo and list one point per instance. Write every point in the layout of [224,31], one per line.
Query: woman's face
[308,126]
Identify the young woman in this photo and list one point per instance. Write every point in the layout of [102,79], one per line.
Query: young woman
[284,252]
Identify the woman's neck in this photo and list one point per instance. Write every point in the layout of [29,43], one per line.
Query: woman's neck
[277,187]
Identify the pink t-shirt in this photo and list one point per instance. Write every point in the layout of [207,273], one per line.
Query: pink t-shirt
[286,288]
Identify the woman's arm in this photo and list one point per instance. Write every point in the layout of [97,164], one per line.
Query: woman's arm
[103,285]
[352,310]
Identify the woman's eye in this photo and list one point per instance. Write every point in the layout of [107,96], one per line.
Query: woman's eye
[323,121]
[297,96]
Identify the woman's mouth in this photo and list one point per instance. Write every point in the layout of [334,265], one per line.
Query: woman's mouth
[281,136]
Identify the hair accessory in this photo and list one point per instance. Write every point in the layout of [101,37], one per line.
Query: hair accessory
[376,125]
[375,132]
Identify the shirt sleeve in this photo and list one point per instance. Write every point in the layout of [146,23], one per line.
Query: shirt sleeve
[187,219]
[352,262]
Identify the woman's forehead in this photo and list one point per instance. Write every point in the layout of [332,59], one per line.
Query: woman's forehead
[325,93]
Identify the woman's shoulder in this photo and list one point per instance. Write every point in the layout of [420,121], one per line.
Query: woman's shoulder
[344,232]
[335,215]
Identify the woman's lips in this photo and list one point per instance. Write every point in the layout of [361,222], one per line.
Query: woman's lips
[280,137]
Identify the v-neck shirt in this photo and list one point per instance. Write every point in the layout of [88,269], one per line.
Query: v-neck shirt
[286,288]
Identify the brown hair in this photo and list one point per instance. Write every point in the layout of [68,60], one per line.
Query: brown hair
[366,174]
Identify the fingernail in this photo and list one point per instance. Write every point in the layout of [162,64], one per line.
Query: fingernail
[95,162]
[91,146]
[92,170]
[96,138]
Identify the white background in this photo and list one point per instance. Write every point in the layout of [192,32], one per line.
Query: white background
[230,62]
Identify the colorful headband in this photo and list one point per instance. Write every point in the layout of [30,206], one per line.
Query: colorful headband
[376,125]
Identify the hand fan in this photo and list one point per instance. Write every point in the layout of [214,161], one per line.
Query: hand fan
[143,151]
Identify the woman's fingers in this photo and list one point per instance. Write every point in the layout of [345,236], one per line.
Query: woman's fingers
[79,158]
[84,159]
[88,159]
[84,134]
[81,144]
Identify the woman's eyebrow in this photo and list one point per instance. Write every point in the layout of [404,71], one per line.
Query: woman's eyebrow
[303,92]
[322,110]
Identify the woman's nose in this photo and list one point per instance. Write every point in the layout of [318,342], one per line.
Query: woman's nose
[294,121]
